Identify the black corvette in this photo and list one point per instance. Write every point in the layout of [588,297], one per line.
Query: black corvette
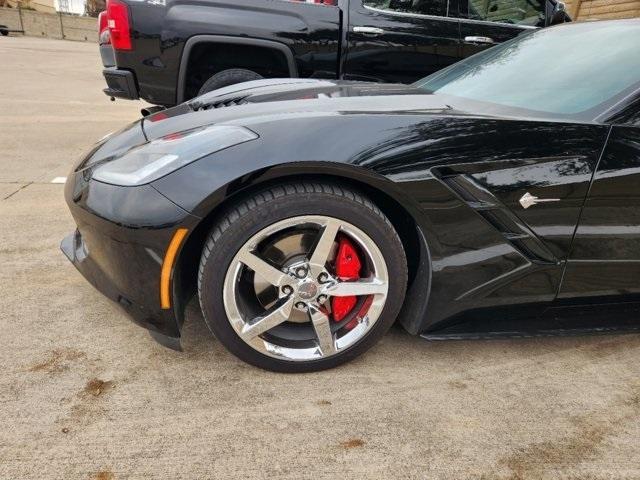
[308,214]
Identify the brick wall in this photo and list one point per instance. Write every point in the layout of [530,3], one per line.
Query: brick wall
[582,10]
[40,24]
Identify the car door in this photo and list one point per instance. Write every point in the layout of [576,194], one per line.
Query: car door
[605,256]
[399,40]
[484,23]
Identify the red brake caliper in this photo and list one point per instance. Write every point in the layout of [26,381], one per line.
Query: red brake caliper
[347,268]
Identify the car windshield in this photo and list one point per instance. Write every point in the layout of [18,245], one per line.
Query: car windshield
[571,70]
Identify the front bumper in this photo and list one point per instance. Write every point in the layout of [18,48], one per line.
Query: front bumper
[119,245]
[120,84]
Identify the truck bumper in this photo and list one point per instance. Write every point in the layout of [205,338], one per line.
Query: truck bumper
[107,55]
[120,84]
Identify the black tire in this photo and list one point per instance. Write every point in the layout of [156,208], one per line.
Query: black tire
[4,32]
[268,206]
[228,77]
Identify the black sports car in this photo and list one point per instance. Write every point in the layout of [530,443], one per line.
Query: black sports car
[309,214]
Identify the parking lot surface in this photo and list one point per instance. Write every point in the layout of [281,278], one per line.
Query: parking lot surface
[86,394]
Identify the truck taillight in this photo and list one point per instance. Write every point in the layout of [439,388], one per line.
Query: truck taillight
[103,29]
[118,25]
[102,22]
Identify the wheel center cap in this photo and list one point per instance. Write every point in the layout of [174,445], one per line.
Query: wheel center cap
[308,290]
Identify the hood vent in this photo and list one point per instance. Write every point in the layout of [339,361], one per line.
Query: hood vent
[229,102]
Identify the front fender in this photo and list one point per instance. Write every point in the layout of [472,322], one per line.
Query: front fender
[468,264]
[213,182]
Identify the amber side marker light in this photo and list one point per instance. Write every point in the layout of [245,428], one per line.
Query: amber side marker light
[167,267]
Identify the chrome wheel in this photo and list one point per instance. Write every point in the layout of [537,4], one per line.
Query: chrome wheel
[281,287]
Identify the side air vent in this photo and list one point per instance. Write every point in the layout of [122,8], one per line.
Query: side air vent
[489,207]
[470,191]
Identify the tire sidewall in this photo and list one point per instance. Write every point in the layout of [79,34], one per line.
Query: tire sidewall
[216,265]
[226,78]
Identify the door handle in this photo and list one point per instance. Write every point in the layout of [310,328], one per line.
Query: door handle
[484,40]
[369,31]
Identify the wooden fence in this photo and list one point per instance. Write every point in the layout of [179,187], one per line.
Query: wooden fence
[582,10]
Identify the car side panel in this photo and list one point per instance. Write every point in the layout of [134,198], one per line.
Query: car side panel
[474,265]
[605,259]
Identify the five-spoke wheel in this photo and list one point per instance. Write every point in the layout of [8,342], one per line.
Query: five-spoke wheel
[302,282]
[302,276]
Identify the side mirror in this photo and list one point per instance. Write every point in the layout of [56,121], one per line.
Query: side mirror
[556,12]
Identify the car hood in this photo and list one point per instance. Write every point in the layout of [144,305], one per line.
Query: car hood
[269,100]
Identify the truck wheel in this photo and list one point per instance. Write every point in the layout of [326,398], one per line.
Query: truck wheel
[4,32]
[228,77]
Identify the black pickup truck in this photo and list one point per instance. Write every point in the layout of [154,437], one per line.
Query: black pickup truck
[168,51]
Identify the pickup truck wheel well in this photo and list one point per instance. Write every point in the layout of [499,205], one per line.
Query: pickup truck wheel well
[206,55]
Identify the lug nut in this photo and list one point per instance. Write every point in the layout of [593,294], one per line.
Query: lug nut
[287,290]
[322,298]
[301,272]
[301,306]
[323,277]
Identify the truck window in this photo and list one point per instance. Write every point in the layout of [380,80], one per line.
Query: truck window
[517,12]
[423,7]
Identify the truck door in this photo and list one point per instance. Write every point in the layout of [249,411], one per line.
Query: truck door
[400,40]
[484,23]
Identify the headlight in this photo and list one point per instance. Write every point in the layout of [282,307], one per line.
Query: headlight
[159,157]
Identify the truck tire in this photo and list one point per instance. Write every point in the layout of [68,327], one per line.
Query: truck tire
[4,31]
[228,77]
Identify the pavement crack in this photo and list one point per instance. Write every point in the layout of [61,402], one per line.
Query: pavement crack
[19,189]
